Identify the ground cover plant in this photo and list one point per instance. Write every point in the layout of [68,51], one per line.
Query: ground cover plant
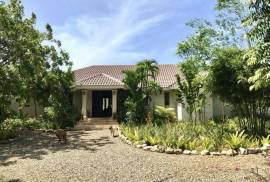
[209,135]
[10,128]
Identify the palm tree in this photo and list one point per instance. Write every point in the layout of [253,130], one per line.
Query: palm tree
[142,84]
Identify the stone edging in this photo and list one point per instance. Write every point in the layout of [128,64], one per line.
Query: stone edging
[162,149]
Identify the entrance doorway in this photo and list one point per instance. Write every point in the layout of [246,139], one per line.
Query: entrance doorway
[102,103]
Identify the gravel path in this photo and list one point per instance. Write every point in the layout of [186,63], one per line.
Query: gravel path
[95,156]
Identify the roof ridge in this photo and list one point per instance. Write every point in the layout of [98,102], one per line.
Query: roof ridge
[103,74]
[109,76]
[89,78]
[116,65]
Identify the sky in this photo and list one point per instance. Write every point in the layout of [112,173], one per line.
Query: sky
[96,32]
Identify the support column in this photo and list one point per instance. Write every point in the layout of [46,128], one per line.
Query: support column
[84,104]
[114,102]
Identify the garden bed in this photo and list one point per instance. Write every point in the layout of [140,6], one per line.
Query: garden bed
[189,139]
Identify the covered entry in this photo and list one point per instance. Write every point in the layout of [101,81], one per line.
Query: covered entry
[102,103]
[97,103]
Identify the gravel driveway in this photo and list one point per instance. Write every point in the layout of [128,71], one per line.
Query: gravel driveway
[95,156]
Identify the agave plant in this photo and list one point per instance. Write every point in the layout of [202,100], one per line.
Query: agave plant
[192,144]
[237,140]
[252,143]
[138,136]
[265,140]
[207,143]
[181,142]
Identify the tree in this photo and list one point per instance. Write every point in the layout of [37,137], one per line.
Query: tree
[229,79]
[259,56]
[199,46]
[229,22]
[197,52]
[142,85]
[191,92]
[32,63]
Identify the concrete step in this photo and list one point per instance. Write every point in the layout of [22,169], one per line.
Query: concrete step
[96,124]
[93,127]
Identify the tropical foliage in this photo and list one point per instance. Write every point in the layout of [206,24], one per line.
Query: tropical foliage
[142,85]
[234,52]
[163,114]
[33,66]
[191,136]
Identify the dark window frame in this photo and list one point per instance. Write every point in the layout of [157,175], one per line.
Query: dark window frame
[166,98]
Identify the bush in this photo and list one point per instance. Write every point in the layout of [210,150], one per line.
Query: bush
[237,140]
[164,114]
[60,118]
[10,127]
[32,123]
[187,135]
[265,140]
[207,143]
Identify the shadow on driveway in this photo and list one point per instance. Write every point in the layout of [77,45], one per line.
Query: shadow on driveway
[35,144]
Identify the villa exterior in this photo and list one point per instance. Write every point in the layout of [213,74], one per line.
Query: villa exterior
[97,88]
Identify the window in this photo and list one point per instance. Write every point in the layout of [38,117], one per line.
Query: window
[167,98]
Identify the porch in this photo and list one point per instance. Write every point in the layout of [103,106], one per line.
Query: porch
[96,103]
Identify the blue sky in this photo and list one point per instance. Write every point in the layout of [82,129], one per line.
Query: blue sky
[119,31]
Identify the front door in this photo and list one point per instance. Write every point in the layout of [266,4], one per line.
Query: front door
[102,103]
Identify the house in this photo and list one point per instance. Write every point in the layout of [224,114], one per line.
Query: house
[97,90]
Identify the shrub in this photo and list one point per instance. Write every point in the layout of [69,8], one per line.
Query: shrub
[207,143]
[252,143]
[187,135]
[192,144]
[9,128]
[13,124]
[265,140]
[128,132]
[61,118]
[32,123]
[165,114]
[237,140]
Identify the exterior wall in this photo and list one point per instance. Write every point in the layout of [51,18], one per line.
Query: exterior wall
[77,99]
[207,111]
[29,110]
[213,107]
[160,100]
[220,109]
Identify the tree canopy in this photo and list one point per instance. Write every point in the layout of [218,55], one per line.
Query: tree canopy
[142,85]
[33,64]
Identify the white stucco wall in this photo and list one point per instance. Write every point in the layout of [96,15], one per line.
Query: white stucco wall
[29,110]
[77,99]
[213,107]
[207,111]
[160,100]
[220,108]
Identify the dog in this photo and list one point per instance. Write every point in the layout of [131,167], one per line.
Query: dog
[61,135]
[114,131]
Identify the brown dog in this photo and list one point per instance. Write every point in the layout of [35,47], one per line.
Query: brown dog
[61,135]
[114,131]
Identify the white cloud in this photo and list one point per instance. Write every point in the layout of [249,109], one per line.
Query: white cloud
[107,39]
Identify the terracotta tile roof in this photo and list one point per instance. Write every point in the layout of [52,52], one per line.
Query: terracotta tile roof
[101,79]
[111,75]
